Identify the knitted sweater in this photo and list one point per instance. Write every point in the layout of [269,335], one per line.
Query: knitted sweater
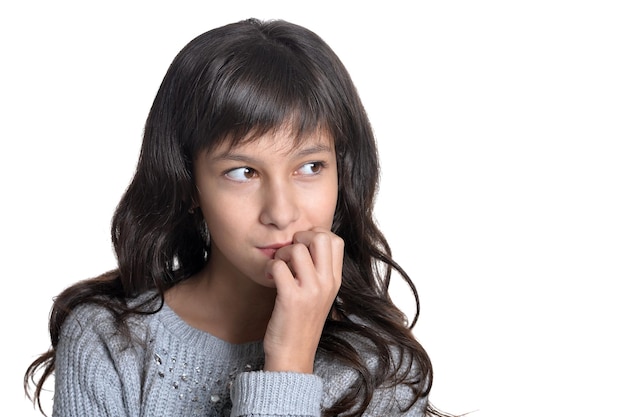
[170,369]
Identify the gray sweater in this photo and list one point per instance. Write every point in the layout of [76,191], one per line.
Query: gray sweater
[170,369]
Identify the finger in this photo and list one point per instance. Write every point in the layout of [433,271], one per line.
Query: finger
[298,258]
[337,252]
[338,247]
[321,254]
[279,272]
[319,245]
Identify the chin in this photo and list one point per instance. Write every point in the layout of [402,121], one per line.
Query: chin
[261,281]
[267,283]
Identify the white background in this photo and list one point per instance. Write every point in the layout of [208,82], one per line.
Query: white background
[502,129]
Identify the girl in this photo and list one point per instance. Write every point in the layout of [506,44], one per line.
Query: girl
[252,279]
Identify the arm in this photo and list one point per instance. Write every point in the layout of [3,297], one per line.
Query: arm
[307,276]
[276,394]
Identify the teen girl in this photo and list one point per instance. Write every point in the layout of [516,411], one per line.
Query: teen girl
[252,279]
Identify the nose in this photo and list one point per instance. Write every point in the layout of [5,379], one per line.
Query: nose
[279,207]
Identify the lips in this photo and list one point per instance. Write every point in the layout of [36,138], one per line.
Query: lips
[270,250]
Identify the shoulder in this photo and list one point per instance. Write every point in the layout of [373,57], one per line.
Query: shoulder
[376,358]
[392,372]
[98,361]
[88,318]
[95,323]
[94,339]
[379,353]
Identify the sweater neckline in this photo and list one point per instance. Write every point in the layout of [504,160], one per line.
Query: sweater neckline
[202,339]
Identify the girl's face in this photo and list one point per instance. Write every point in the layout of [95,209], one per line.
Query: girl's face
[255,196]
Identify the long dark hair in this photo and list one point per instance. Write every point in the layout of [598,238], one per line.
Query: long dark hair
[240,81]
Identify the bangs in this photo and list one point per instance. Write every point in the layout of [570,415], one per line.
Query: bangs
[263,88]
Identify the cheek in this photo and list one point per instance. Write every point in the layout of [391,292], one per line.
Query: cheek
[222,216]
[322,208]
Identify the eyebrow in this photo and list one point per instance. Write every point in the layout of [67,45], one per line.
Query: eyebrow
[309,150]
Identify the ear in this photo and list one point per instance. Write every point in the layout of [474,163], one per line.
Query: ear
[193,206]
[193,203]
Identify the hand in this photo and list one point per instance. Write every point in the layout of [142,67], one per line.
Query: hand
[308,276]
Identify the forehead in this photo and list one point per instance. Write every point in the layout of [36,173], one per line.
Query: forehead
[280,142]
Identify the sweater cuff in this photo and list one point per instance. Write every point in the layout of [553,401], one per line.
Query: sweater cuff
[276,394]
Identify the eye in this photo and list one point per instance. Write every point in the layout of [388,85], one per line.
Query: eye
[311,168]
[241,174]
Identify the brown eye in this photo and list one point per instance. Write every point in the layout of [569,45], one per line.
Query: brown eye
[242,174]
[311,168]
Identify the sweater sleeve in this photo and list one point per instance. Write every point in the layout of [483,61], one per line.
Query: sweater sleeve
[270,394]
[87,377]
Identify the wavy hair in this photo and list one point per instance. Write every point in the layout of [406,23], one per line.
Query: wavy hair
[231,84]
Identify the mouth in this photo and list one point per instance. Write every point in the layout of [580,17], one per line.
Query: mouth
[270,250]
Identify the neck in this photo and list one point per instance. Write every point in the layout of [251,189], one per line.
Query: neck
[230,307]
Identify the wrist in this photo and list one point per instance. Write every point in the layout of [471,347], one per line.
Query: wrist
[301,365]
